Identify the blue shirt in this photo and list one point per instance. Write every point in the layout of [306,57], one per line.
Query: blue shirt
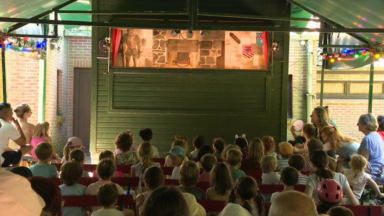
[374,144]
[44,170]
[282,163]
[74,190]
[237,174]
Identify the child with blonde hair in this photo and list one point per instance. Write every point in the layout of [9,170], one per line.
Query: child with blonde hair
[234,158]
[268,167]
[188,178]
[226,149]
[183,144]
[72,144]
[41,135]
[124,142]
[106,154]
[358,178]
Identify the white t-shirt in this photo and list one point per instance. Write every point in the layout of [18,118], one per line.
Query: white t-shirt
[270,178]
[7,132]
[175,172]
[107,212]
[92,190]
[274,195]
[357,183]
[313,182]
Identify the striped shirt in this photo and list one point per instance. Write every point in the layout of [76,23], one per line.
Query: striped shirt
[302,179]
[282,163]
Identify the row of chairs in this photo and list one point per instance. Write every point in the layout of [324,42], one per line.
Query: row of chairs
[208,205]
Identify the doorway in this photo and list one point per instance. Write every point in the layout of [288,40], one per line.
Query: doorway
[82,106]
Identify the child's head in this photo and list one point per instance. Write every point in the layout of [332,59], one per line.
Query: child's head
[72,144]
[330,193]
[43,151]
[50,193]
[124,141]
[246,189]
[207,162]
[146,134]
[269,144]
[297,161]
[309,131]
[182,143]
[106,169]
[332,164]
[256,149]
[153,177]
[177,155]
[226,149]
[107,195]
[320,161]
[314,144]
[289,176]
[339,211]
[41,129]
[268,164]
[145,151]
[198,141]
[205,149]
[71,172]
[77,155]
[285,149]
[358,163]
[234,157]
[242,142]
[189,174]
[221,179]
[106,154]
[218,145]
[23,111]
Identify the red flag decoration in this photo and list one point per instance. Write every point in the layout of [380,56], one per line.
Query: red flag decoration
[116,36]
[248,51]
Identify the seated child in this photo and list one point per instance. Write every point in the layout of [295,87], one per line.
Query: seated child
[313,145]
[133,148]
[107,197]
[207,162]
[226,149]
[145,158]
[146,136]
[330,194]
[78,156]
[298,161]
[256,152]
[41,135]
[43,167]
[189,176]
[234,158]
[269,146]
[124,143]
[178,142]
[176,155]
[153,178]
[289,178]
[286,151]
[268,167]
[72,144]
[242,142]
[197,142]
[48,191]
[358,178]
[340,211]
[105,171]
[218,146]
[246,193]
[71,173]
[106,154]
[205,149]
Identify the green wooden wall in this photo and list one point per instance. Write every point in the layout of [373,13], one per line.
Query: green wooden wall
[213,103]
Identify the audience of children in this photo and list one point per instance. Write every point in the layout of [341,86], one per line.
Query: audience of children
[43,167]
[72,144]
[218,146]
[78,156]
[286,151]
[207,163]
[269,146]
[177,157]
[246,194]
[289,178]
[330,194]
[178,142]
[107,197]
[153,178]
[105,170]
[106,154]
[41,135]
[234,158]
[205,149]
[71,172]
[242,142]
[188,178]
[124,142]
[268,167]
[221,184]
[146,135]
[145,157]
[133,148]
[297,161]
[256,152]
[197,142]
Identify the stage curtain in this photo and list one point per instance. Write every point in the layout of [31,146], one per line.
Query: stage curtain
[266,48]
[116,36]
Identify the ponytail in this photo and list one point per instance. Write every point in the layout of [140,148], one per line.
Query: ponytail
[260,202]
[145,155]
[320,160]
[247,206]
[67,150]
[232,196]
[146,163]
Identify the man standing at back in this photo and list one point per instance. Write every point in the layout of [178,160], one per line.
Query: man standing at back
[8,132]
[146,136]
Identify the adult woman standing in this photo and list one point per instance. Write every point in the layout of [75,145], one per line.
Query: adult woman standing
[380,130]
[344,146]
[320,119]
[372,146]
[23,113]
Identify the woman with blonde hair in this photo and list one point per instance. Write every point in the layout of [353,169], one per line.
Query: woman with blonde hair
[320,119]
[256,152]
[344,146]
[41,135]
[23,113]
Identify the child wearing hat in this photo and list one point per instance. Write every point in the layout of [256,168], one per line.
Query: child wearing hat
[72,144]
[176,155]
[286,151]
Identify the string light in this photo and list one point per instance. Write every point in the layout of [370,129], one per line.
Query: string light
[332,60]
[32,53]
[6,41]
[356,55]
[39,55]
[377,56]
[338,58]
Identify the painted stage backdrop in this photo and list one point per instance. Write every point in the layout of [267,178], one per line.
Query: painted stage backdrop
[159,49]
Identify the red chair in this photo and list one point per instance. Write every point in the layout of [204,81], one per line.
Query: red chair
[212,205]
[77,201]
[122,181]
[167,170]
[123,168]
[256,174]
[161,161]
[172,182]
[89,167]
[202,185]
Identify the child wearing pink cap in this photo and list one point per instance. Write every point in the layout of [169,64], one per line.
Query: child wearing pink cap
[72,144]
